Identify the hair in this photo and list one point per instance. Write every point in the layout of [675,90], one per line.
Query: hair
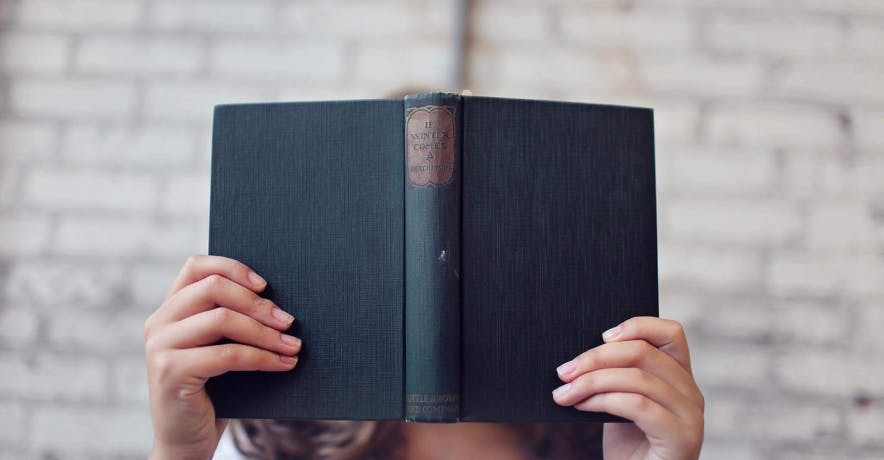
[374,440]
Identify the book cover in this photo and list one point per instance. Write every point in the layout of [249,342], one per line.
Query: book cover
[441,254]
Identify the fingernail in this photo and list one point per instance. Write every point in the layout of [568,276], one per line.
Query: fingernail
[290,360]
[256,280]
[612,333]
[279,314]
[290,340]
[566,368]
[560,391]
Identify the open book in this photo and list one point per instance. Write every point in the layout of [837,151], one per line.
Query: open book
[441,254]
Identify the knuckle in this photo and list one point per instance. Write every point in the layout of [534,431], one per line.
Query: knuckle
[677,328]
[230,355]
[641,377]
[214,281]
[160,366]
[191,261]
[633,352]
[220,317]
[150,346]
[148,327]
[639,403]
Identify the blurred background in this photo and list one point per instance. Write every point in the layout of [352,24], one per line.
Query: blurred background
[770,153]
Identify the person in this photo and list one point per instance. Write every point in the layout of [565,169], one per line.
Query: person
[642,372]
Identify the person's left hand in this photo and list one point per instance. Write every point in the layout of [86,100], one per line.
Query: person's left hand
[641,373]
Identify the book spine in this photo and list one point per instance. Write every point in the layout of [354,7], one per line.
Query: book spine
[432,257]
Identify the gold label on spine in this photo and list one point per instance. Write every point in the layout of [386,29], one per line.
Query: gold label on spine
[430,146]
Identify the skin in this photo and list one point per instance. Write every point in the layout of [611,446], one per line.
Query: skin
[642,373]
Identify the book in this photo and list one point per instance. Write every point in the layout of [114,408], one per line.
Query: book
[442,254]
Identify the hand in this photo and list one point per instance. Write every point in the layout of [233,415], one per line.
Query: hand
[212,298]
[642,373]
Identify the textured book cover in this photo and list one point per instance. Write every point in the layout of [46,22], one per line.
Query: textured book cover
[442,254]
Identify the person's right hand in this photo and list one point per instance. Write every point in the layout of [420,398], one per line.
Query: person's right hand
[212,298]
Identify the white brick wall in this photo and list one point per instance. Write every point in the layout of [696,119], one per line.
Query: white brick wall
[769,119]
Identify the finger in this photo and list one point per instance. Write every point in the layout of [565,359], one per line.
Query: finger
[203,363]
[625,380]
[200,266]
[632,353]
[652,418]
[216,290]
[665,334]
[211,326]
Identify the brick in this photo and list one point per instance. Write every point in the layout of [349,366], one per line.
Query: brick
[88,331]
[686,307]
[71,98]
[139,56]
[149,283]
[89,189]
[50,283]
[774,35]
[846,226]
[714,449]
[52,377]
[529,67]
[730,365]
[406,65]
[18,51]
[24,234]
[868,172]
[226,15]
[194,100]
[502,22]
[743,319]
[187,194]
[720,269]
[665,28]
[80,14]
[734,221]
[13,424]
[815,274]
[18,326]
[129,381]
[857,7]
[115,237]
[801,174]
[155,146]
[359,20]
[99,430]
[710,170]
[674,122]
[869,324]
[810,323]
[276,60]
[829,372]
[772,420]
[839,82]
[867,128]
[865,38]
[772,125]
[9,184]
[27,141]
[865,425]
[698,75]
[816,452]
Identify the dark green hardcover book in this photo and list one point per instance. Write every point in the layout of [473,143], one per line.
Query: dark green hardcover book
[442,254]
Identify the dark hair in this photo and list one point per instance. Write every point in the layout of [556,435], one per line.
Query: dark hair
[371,440]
